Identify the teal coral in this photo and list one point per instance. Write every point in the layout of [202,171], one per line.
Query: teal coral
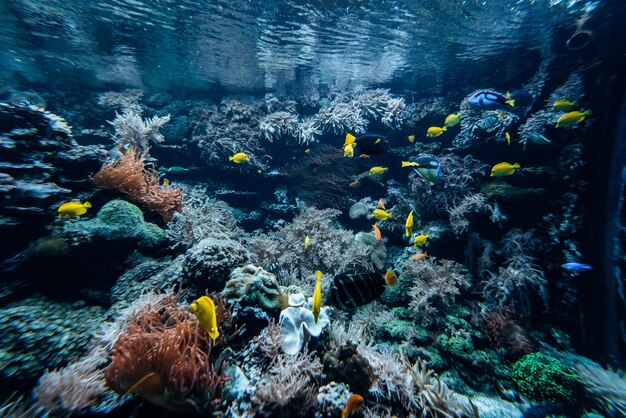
[545,378]
[38,334]
[118,220]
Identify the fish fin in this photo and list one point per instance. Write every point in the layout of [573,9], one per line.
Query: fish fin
[491,175]
[516,165]
[350,139]
[587,112]
[510,103]
[87,204]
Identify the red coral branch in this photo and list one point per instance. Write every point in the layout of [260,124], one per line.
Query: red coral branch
[129,175]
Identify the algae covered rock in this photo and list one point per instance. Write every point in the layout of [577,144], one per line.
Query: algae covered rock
[211,260]
[345,364]
[116,221]
[254,287]
[38,334]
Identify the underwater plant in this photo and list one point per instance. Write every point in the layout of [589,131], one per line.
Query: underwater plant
[165,356]
[545,378]
[130,176]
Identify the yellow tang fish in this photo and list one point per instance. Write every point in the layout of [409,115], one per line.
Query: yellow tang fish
[204,308]
[317,296]
[508,138]
[409,224]
[453,119]
[420,240]
[306,242]
[377,170]
[504,169]
[348,150]
[239,158]
[73,209]
[411,138]
[381,214]
[565,105]
[435,131]
[572,118]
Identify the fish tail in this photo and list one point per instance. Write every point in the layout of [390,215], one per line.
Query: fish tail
[516,165]
[587,112]
[350,139]
[510,103]
[87,204]
[443,128]
[231,158]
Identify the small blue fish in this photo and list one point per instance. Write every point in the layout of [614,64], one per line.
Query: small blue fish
[490,100]
[576,267]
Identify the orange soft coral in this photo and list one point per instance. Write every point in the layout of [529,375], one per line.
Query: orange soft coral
[129,175]
[166,357]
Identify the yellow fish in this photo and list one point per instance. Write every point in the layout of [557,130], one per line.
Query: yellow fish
[409,164]
[435,131]
[349,139]
[508,138]
[374,171]
[409,224]
[348,150]
[453,119]
[204,308]
[239,158]
[504,169]
[260,171]
[411,138]
[420,240]
[73,209]
[572,118]
[317,296]
[306,242]
[565,105]
[381,214]
[166,182]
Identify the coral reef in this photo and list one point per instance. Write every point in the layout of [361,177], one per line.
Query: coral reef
[544,378]
[298,325]
[129,175]
[179,373]
[117,222]
[133,131]
[38,333]
[253,286]
[209,262]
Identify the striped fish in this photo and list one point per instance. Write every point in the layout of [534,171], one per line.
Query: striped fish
[352,290]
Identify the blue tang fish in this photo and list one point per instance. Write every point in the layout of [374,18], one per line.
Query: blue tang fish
[489,100]
[576,267]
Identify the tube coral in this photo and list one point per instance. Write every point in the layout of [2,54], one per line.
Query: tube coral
[165,356]
[129,175]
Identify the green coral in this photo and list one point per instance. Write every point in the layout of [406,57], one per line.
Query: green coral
[545,378]
[253,286]
[117,220]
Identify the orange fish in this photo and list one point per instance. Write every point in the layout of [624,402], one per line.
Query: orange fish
[377,234]
[364,156]
[419,256]
[354,403]
[381,204]
[390,278]
[354,184]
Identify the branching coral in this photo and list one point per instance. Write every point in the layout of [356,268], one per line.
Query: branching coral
[133,131]
[434,286]
[518,276]
[127,100]
[278,125]
[504,332]
[130,176]
[201,217]
[290,384]
[322,177]
[332,249]
[165,356]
